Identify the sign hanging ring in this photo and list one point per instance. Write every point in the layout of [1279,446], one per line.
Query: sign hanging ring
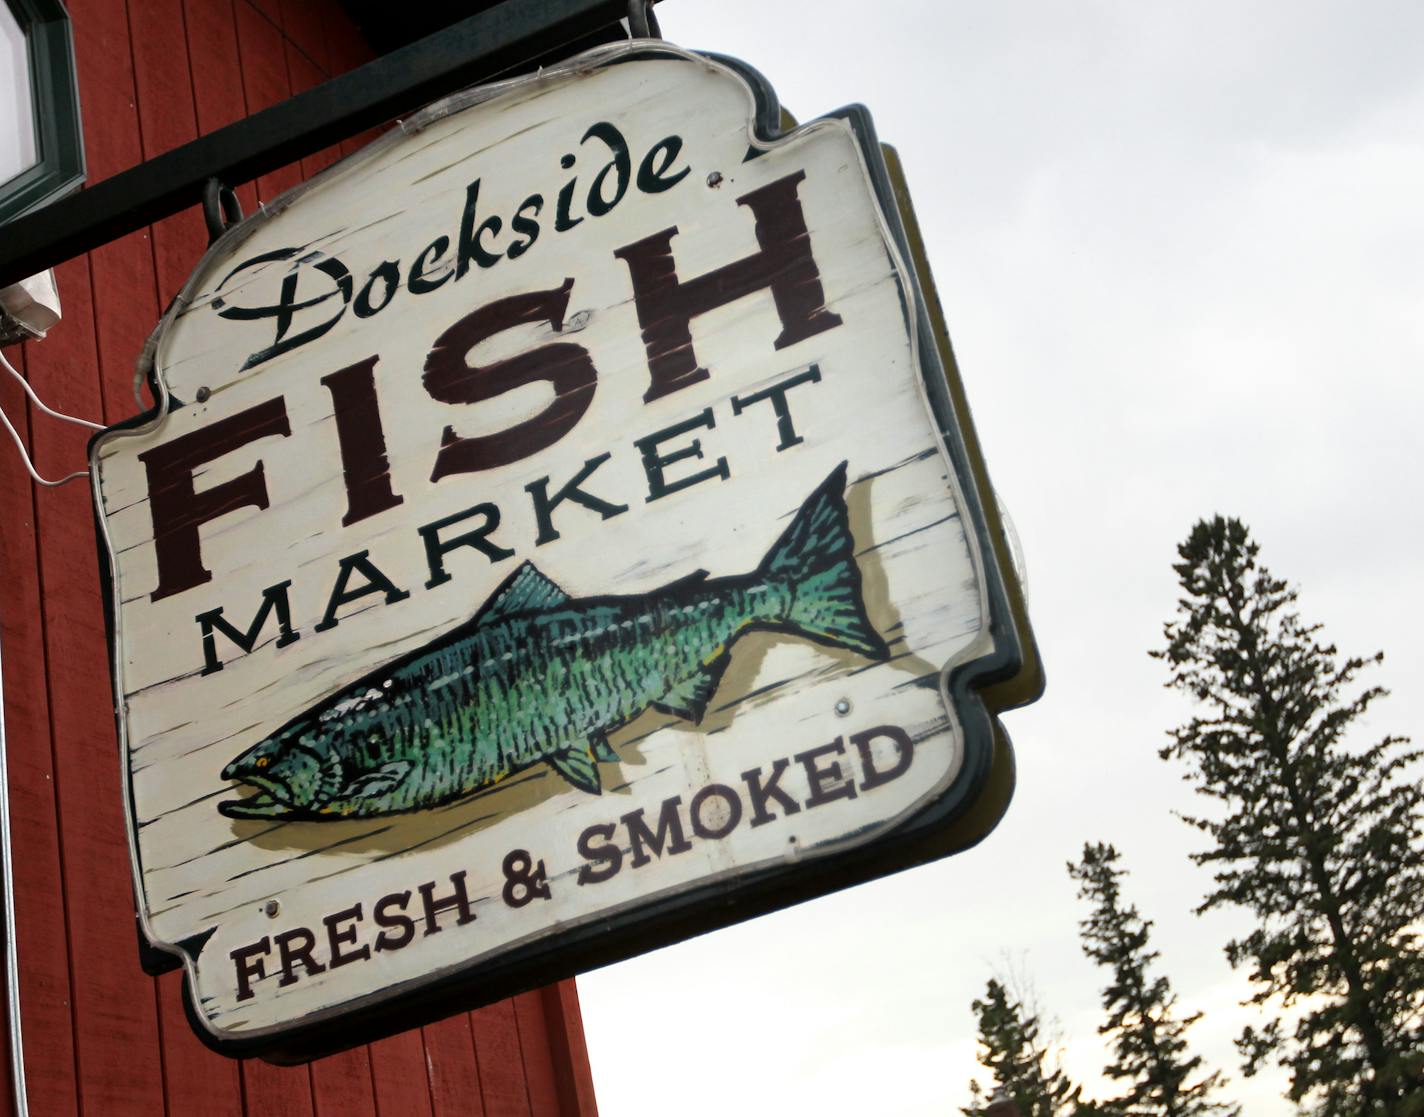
[221,209]
[642,23]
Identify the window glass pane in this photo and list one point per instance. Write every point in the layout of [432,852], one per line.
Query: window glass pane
[17,120]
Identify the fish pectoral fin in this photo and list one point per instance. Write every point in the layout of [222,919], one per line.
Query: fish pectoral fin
[688,697]
[577,765]
[385,778]
[602,750]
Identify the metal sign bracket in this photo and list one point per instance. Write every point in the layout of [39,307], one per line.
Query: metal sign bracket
[509,37]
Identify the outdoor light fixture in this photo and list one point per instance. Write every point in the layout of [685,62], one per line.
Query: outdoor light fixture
[41,150]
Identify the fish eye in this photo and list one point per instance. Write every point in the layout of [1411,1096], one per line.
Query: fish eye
[263,761]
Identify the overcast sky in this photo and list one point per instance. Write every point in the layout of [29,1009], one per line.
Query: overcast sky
[1179,249]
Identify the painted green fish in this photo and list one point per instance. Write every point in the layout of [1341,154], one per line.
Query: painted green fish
[538,677]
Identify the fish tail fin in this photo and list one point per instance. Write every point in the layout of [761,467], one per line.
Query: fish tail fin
[815,557]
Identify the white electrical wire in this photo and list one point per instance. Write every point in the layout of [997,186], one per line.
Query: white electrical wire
[25,384]
[29,467]
[19,443]
[12,962]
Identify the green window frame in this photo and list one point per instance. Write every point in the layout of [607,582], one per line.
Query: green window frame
[54,93]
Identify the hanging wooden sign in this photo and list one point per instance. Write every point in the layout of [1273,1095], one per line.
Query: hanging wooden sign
[562,539]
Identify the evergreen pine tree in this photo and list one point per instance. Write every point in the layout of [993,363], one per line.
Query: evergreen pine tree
[1322,842]
[1014,1051]
[1148,1040]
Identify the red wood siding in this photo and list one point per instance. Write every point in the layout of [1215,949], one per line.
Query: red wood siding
[101,1038]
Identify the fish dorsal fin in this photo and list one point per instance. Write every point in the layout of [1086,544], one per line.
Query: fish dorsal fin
[526,591]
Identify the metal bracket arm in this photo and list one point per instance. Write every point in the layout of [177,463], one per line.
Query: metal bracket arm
[502,38]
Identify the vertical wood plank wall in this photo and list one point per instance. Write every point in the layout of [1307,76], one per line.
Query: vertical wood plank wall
[101,1038]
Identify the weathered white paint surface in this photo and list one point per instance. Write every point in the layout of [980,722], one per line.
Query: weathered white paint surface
[198,869]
